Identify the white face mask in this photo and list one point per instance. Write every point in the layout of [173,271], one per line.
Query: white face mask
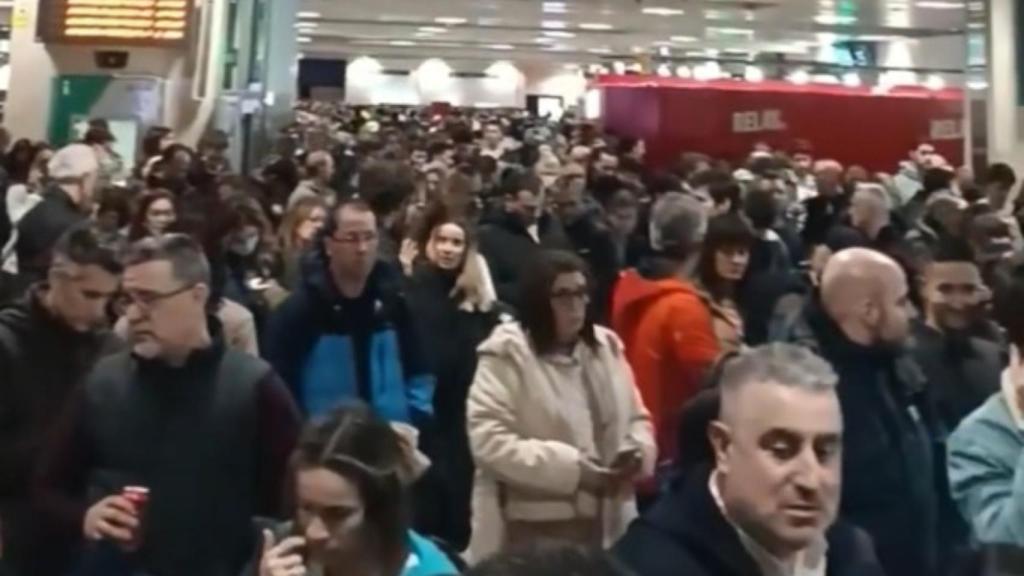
[244,246]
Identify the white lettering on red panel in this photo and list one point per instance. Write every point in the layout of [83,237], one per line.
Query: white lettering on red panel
[757,121]
[949,129]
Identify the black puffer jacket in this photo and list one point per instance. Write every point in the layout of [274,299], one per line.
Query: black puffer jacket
[41,362]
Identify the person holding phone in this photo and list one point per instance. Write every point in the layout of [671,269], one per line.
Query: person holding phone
[555,421]
[351,471]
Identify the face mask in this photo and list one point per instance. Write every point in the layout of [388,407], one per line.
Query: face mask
[245,246]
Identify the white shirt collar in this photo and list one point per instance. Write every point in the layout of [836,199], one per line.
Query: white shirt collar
[811,561]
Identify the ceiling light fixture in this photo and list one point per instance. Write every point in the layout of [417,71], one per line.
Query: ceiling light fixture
[595,26]
[450,20]
[799,77]
[553,7]
[558,34]
[753,74]
[683,39]
[940,5]
[307,25]
[305,40]
[308,15]
[662,11]
[601,50]
[935,82]
[402,43]
[554,25]
[500,47]
[851,80]
[433,29]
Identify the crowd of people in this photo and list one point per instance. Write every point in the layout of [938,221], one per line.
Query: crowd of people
[415,342]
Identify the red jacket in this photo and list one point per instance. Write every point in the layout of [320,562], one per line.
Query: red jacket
[670,344]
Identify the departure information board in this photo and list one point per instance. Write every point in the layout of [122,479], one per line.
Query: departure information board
[113,22]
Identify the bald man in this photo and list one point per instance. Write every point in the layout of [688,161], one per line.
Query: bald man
[768,504]
[860,323]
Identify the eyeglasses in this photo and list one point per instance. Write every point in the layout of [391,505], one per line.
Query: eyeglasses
[570,296]
[146,301]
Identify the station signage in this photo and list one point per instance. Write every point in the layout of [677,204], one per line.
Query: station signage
[115,22]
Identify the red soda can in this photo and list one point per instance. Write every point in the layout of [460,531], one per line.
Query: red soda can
[139,497]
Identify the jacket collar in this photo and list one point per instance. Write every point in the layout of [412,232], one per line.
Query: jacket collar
[690,517]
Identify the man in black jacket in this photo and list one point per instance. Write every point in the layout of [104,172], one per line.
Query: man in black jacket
[206,429]
[590,238]
[74,171]
[49,340]
[513,239]
[962,371]
[769,505]
[859,322]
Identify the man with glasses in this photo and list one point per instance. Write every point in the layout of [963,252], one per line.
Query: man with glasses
[204,432]
[49,340]
[347,333]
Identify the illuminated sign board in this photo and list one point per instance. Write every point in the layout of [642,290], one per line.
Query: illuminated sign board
[115,22]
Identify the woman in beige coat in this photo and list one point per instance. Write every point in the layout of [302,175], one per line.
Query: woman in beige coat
[556,426]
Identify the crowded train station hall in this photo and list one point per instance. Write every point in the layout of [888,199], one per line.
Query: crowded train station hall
[511,288]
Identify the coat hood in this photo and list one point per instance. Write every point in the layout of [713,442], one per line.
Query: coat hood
[634,293]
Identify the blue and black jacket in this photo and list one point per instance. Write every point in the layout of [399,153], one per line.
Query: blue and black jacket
[331,350]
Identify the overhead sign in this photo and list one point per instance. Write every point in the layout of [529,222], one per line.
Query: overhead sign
[114,22]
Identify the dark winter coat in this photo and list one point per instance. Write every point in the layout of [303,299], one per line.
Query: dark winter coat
[891,478]
[41,361]
[685,534]
[39,230]
[510,250]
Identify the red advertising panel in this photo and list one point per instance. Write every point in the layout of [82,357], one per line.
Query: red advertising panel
[726,118]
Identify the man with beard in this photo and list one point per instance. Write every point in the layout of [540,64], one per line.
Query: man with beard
[513,239]
[962,371]
[859,322]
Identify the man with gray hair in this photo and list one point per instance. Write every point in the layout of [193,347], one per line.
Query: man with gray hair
[768,504]
[74,173]
[661,318]
[202,431]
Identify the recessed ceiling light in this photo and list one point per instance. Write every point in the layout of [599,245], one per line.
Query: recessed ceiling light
[835,19]
[595,26]
[554,7]
[543,40]
[433,29]
[309,15]
[683,39]
[450,20]
[402,43]
[661,11]
[554,25]
[558,34]
[601,50]
[501,47]
[307,25]
[305,39]
[937,5]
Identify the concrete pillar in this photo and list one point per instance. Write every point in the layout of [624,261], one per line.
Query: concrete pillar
[1004,118]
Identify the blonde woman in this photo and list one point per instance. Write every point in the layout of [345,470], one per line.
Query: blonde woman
[453,299]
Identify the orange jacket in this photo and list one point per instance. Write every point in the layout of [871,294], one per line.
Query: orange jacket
[670,344]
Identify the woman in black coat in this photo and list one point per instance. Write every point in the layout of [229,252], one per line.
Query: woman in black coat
[453,299]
